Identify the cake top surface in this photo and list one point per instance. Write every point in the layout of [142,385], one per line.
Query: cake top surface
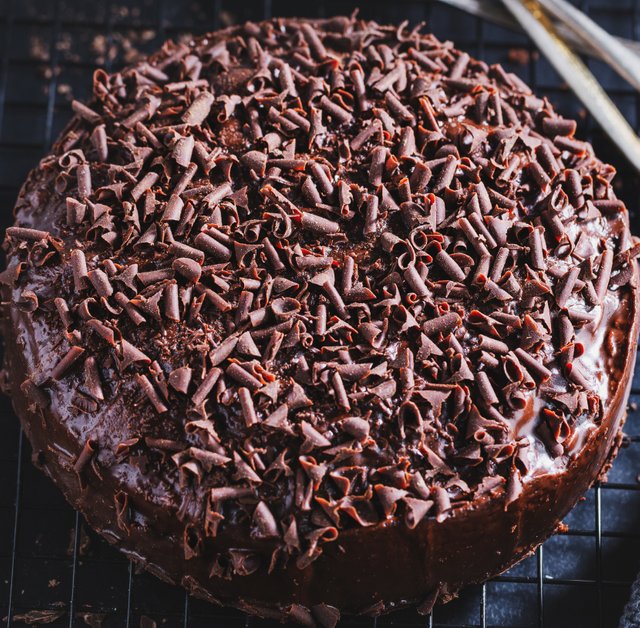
[297,277]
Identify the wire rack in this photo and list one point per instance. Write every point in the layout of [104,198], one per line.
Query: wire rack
[49,562]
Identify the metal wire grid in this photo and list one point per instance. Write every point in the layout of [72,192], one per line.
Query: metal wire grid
[579,578]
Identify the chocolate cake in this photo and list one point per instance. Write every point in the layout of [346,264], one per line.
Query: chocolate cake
[316,317]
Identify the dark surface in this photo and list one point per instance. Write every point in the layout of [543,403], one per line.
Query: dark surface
[579,579]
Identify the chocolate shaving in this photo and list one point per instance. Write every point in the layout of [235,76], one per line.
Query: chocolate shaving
[199,109]
[67,361]
[206,386]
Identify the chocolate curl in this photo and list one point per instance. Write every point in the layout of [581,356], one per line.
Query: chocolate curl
[499,262]
[79,269]
[92,382]
[182,150]
[326,616]
[356,427]
[450,266]
[63,312]
[247,346]
[145,184]
[180,378]
[66,362]
[339,115]
[184,250]
[400,110]
[577,375]
[99,141]
[83,174]
[313,41]
[428,64]
[206,386]
[171,302]
[407,145]
[426,606]
[514,488]
[493,289]
[188,268]
[442,503]
[558,126]
[150,392]
[248,409]
[535,250]
[100,282]
[446,174]
[263,522]
[533,365]
[340,392]
[388,496]
[278,419]
[492,238]
[415,281]
[199,109]
[371,215]
[148,135]
[185,179]
[317,224]
[357,77]
[272,255]
[604,274]
[218,194]
[225,493]
[442,324]
[492,345]
[416,510]
[75,213]
[473,238]
[565,286]
[323,180]
[376,170]
[419,180]
[84,458]
[460,66]
[485,388]
[223,350]
[335,299]
[85,112]
[538,174]
[366,134]
[25,233]
[215,299]
[243,377]
[310,192]
[213,247]
[255,161]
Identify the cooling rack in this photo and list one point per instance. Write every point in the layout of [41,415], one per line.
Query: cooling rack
[51,566]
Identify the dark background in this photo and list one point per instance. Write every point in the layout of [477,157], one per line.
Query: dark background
[48,560]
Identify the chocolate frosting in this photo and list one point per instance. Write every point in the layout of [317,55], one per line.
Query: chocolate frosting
[298,294]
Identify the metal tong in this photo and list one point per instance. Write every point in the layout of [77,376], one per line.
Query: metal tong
[556,27]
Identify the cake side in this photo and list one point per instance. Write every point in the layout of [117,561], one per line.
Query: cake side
[294,292]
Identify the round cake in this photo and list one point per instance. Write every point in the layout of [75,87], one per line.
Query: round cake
[323,316]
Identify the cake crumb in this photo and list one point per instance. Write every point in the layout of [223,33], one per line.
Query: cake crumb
[94,620]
